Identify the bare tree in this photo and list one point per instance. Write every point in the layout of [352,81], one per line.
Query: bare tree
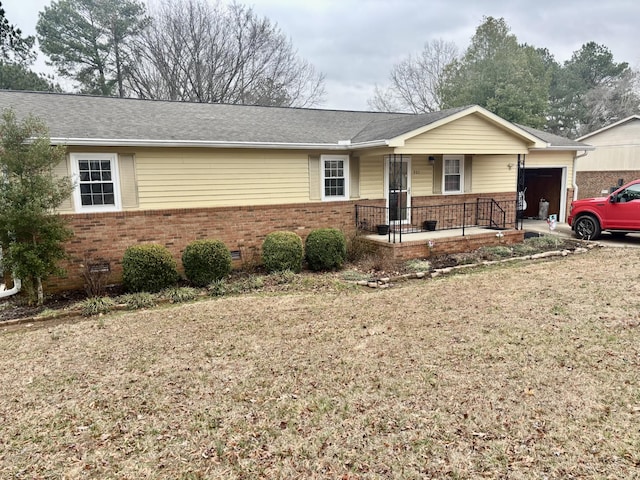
[612,101]
[198,52]
[416,81]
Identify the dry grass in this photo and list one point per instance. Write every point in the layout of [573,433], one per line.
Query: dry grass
[517,371]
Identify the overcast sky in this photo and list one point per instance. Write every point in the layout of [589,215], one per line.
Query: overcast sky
[355,43]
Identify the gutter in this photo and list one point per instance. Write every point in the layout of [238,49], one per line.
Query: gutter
[585,148]
[125,142]
[574,183]
[17,285]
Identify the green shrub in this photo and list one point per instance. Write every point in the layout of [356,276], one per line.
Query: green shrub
[205,261]
[148,268]
[326,249]
[250,283]
[180,294]
[545,242]
[418,265]
[283,277]
[282,251]
[96,306]
[135,301]
[218,288]
[495,253]
[522,249]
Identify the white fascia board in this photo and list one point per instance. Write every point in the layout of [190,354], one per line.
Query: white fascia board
[110,142]
[568,148]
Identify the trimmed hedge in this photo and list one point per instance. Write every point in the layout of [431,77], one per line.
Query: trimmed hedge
[326,249]
[282,251]
[205,261]
[148,268]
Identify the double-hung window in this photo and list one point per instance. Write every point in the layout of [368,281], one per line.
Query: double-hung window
[453,167]
[335,177]
[96,182]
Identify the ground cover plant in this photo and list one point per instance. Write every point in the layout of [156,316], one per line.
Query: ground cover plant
[527,370]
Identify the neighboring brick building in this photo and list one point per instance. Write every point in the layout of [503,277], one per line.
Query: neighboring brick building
[615,160]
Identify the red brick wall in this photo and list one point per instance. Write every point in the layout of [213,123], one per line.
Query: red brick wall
[105,236]
[590,184]
[459,244]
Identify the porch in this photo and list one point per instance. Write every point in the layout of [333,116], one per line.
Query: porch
[419,232]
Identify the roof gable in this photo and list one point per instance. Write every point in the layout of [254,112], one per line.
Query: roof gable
[467,134]
[484,122]
[633,119]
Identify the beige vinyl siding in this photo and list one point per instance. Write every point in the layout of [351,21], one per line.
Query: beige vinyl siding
[372,177]
[552,160]
[128,181]
[421,176]
[471,134]
[468,174]
[315,178]
[605,159]
[62,170]
[191,178]
[616,149]
[354,177]
[491,173]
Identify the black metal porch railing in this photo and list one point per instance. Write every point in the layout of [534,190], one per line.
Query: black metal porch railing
[484,212]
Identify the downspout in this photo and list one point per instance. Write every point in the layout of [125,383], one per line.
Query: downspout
[573,180]
[17,285]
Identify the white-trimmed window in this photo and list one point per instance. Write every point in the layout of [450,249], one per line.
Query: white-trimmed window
[452,173]
[335,177]
[96,181]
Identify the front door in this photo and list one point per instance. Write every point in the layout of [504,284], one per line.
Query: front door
[398,181]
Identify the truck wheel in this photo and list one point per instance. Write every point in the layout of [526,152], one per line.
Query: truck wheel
[587,227]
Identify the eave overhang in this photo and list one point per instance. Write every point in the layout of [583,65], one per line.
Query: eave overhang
[126,142]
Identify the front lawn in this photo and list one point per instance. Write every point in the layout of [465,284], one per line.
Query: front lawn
[526,370]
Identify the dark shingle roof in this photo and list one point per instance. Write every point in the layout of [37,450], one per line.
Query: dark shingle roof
[556,140]
[394,126]
[81,116]
[95,118]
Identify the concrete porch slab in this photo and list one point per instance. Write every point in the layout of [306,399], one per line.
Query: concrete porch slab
[416,245]
[435,235]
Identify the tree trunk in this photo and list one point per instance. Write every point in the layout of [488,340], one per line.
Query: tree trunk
[39,290]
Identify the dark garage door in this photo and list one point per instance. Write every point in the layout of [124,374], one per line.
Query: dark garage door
[542,183]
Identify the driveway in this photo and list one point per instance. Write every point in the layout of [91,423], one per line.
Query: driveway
[564,230]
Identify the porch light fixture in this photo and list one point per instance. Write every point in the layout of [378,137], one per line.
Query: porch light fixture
[432,160]
[510,165]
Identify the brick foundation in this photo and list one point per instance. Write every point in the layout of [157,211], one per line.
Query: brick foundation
[105,237]
[591,184]
[419,249]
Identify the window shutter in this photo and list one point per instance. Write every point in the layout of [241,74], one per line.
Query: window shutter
[128,181]
[437,176]
[354,177]
[467,173]
[60,171]
[315,192]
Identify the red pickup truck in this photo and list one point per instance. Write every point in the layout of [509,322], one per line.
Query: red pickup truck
[619,213]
